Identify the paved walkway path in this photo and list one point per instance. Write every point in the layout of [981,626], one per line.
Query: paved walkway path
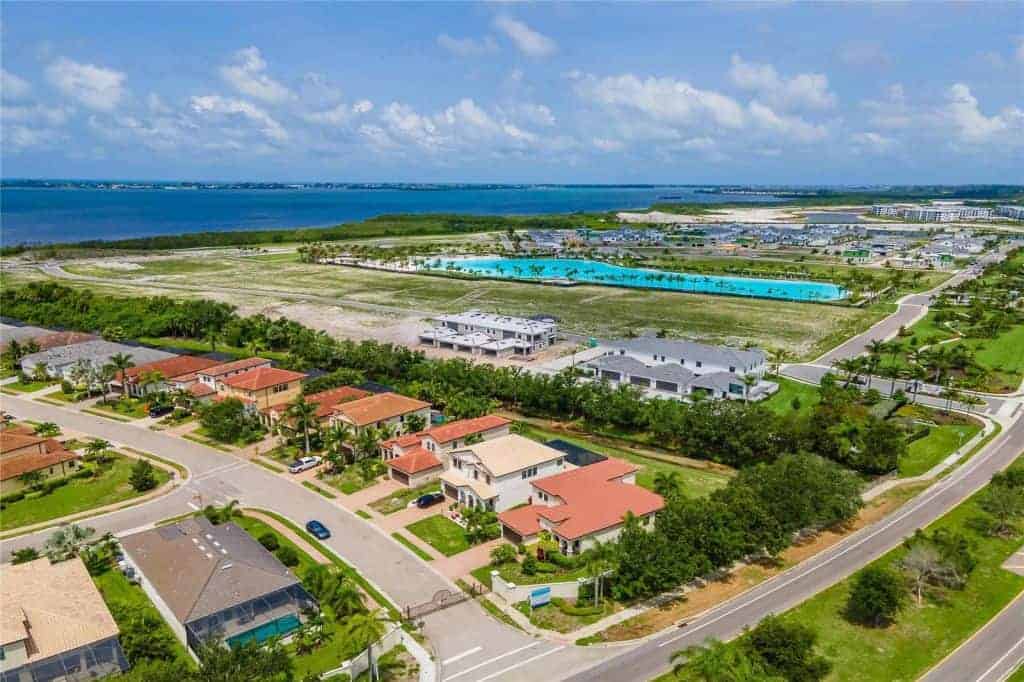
[284,530]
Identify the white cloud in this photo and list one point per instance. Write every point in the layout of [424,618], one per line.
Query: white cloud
[94,86]
[341,114]
[19,138]
[808,90]
[607,145]
[664,100]
[247,75]
[790,127]
[864,53]
[13,87]
[36,114]
[872,142]
[964,113]
[467,47]
[464,126]
[535,114]
[235,108]
[530,42]
[699,144]
[892,112]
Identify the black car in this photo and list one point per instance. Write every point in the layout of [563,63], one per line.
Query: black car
[160,410]
[429,500]
[318,530]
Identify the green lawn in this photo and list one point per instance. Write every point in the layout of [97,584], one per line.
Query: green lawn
[151,268]
[782,402]
[115,588]
[942,441]
[78,495]
[695,482]
[441,533]
[921,636]
[29,387]
[350,479]
[132,408]
[400,499]
[402,540]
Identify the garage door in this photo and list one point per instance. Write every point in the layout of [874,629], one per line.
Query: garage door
[400,477]
[610,375]
[511,535]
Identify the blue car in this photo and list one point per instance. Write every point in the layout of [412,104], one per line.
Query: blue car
[318,530]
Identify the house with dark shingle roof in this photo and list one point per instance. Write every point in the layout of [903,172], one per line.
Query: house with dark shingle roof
[216,582]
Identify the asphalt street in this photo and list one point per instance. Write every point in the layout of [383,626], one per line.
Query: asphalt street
[991,655]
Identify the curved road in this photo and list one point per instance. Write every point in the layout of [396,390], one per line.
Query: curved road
[991,654]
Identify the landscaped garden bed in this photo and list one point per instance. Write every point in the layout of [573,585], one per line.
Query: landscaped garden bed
[567,615]
[354,477]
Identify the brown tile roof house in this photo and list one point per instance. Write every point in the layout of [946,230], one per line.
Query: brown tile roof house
[262,377]
[205,573]
[51,612]
[22,452]
[376,408]
[585,501]
[452,431]
[171,368]
[326,401]
[234,366]
[48,341]
[415,461]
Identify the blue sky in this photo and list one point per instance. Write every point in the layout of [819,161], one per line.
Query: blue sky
[502,92]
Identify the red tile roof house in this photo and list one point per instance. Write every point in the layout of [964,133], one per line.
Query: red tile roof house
[177,372]
[416,458]
[377,410]
[325,402]
[582,505]
[22,452]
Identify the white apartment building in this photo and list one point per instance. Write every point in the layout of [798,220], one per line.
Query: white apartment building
[1014,212]
[481,333]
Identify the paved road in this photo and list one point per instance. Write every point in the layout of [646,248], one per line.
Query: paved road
[991,655]
[217,478]
[807,579]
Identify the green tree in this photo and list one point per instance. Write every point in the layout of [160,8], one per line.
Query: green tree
[47,430]
[876,597]
[24,555]
[415,423]
[787,650]
[268,662]
[363,630]
[121,362]
[303,417]
[67,542]
[717,661]
[143,476]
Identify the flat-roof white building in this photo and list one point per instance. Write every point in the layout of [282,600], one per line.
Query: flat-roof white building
[488,334]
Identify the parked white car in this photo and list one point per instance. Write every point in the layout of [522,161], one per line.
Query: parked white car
[303,463]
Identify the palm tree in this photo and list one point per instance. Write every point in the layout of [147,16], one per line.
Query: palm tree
[367,443]
[121,362]
[875,350]
[894,348]
[364,629]
[749,381]
[335,438]
[66,542]
[211,336]
[150,378]
[717,661]
[599,559]
[666,483]
[303,415]
[103,376]
[345,600]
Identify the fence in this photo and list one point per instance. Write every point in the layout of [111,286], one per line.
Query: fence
[356,666]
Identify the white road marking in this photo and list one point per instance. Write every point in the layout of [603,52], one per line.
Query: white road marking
[194,505]
[521,664]
[1001,659]
[496,658]
[459,657]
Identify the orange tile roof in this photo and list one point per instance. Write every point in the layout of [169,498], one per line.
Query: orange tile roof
[16,465]
[378,407]
[171,368]
[200,390]
[595,499]
[446,433]
[523,520]
[326,401]
[414,462]
[262,377]
[234,366]
[466,427]
[16,439]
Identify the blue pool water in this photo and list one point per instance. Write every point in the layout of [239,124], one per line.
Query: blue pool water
[595,272]
[275,628]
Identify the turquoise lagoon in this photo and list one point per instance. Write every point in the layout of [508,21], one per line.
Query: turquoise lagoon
[596,272]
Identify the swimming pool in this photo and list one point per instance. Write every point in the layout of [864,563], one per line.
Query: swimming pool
[596,272]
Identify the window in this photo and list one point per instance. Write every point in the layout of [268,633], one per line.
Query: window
[732,369]
[700,364]
[560,460]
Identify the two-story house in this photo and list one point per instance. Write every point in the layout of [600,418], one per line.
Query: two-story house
[262,387]
[415,458]
[497,474]
[378,410]
[22,452]
[582,506]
